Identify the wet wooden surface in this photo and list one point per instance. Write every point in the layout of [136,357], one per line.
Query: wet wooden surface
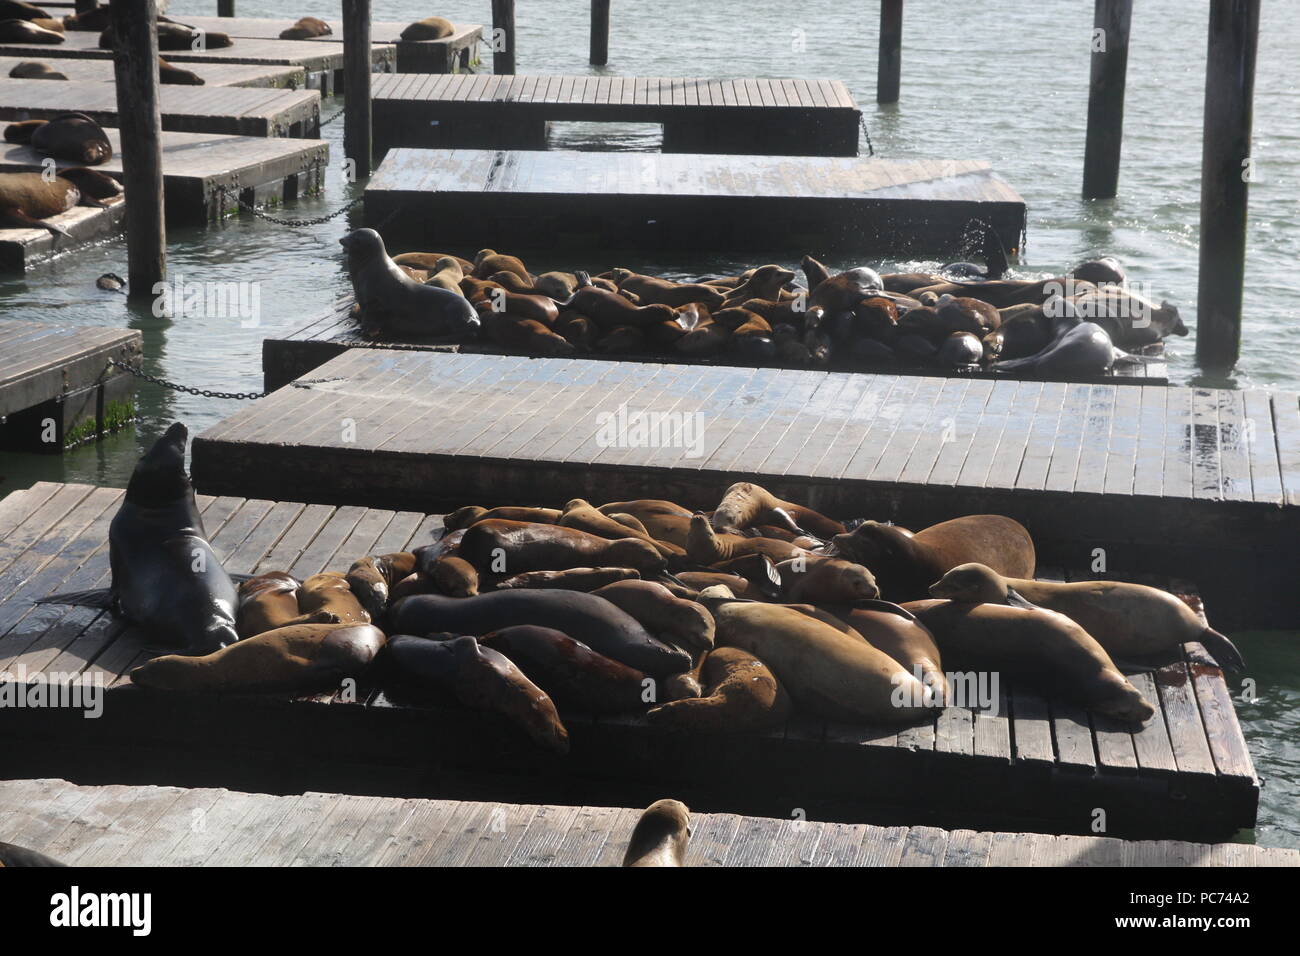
[40,362]
[168,826]
[186,109]
[213,74]
[1044,763]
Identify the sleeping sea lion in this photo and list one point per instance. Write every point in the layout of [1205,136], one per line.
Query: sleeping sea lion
[430,28]
[740,693]
[306,28]
[673,620]
[373,578]
[34,70]
[512,547]
[745,504]
[575,676]
[24,31]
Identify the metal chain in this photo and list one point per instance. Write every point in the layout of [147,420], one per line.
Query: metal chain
[206,393]
[318,220]
[871,150]
[326,122]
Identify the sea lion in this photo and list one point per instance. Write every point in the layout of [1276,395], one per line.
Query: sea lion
[765,282]
[447,274]
[1131,320]
[27,199]
[24,31]
[660,836]
[746,503]
[571,579]
[177,76]
[642,508]
[266,602]
[372,579]
[453,576]
[512,547]
[1127,620]
[328,593]
[393,302]
[889,628]
[816,579]
[19,856]
[516,333]
[487,262]
[827,672]
[960,350]
[34,70]
[574,675]
[906,564]
[91,21]
[1084,349]
[611,310]
[476,676]
[558,285]
[1104,271]
[845,290]
[428,261]
[307,28]
[655,291]
[673,620]
[740,693]
[71,136]
[602,627]
[430,28]
[472,514]
[297,659]
[1045,649]
[706,546]
[738,585]
[19,10]
[580,514]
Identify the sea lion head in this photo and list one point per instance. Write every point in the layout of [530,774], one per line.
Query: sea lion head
[1121,700]
[91,182]
[270,582]
[463,517]
[364,243]
[972,583]
[660,836]
[159,476]
[1169,314]
[620,275]
[871,543]
[866,279]
[1104,271]
[489,680]
[854,580]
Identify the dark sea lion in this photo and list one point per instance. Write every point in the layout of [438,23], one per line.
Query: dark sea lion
[329,593]
[746,503]
[673,620]
[1045,649]
[19,856]
[845,290]
[571,579]
[34,70]
[816,579]
[472,514]
[1128,620]
[476,676]
[706,338]
[574,675]
[1084,349]
[740,694]
[372,579]
[1024,332]
[175,75]
[307,28]
[602,627]
[393,302]
[889,628]
[24,31]
[652,290]
[297,659]
[71,136]
[1131,320]
[966,314]
[1104,271]
[18,10]
[660,836]
[91,21]
[430,28]
[960,350]
[906,564]
[611,310]
[518,546]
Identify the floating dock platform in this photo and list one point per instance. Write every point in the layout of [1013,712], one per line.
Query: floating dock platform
[653,201]
[20,248]
[303,350]
[748,116]
[213,74]
[57,387]
[1033,763]
[155,826]
[1200,483]
[206,175]
[185,109]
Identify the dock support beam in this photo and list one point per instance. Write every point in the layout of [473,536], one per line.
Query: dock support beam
[1110,33]
[135,67]
[889,64]
[358,141]
[599,32]
[503,36]
[225,8]
[1226,171]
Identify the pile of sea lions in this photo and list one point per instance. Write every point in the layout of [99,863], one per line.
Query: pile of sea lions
[719,621]
[28,200]
[24,23]
[961,318]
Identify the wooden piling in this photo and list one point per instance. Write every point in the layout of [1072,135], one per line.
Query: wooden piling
[503,36]
[1106,98]
[599,32]
[225,8]
[889,64]
[135,66]
[358,143]
[1226,171]
[84,6]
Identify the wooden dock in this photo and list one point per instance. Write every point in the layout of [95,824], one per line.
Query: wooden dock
[653,201]
[21,248]
[235,110]
[205,175]
[156,826]
[771,117]
[213,74]
[1199,483]
[337,331]
[59,376]
[1035,764]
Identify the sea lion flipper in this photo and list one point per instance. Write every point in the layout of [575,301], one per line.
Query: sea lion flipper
[97,597]
[1016,599]
[22,220]
[1223,651]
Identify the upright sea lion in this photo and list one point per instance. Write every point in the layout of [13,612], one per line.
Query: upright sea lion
[307,28]
[660,836]
[297,659]
[391,301]
[430,28]
[24,31]
[479,677]
[328,593]
[740,693]
[1047,650]
[373,578]
[512,547]
[1126,619]
[34,70]
[906,564]
[574,675]
[673,620]
[602,627]
[745,504]
[19,856]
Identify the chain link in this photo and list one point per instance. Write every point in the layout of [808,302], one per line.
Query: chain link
[318,220]
[871,150]
[326,122]
[206,393]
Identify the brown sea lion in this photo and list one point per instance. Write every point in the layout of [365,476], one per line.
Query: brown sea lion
[512,547]
[643,508]
[572,579]
[745,504]
[706,338]
[765,282]
[372,579]
[447,274]
[655,291]
[671,619]
[660,836]
[558,285]
[430,28]
[906,564]
[611,310]
[472,514]
[517,333]
[453,576]
[328,592]
[489,261]
[740,693]
[570,672]
[889,628]
[845,290]
[175,75]
[429,261]
[478,677]
[91,21]
[816,579]
[268,601]
[706,546]
[34,70]
[295,659]
[1128,620]
[580,514]
[307,28]
[735,583]
[24,31]
[1045,649]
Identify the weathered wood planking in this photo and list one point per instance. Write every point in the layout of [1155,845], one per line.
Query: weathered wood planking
[60,374]
[336,331]
[1043,763]
[120,825]
[213,74]
[235,110]
[560,199]
[19,248]
[792,117]
[204,174]
[1150,476]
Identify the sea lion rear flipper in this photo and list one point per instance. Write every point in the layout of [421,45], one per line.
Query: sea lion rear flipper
[1223,651]
[96,597]
[1016,599]
[240,578]
[21,220]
